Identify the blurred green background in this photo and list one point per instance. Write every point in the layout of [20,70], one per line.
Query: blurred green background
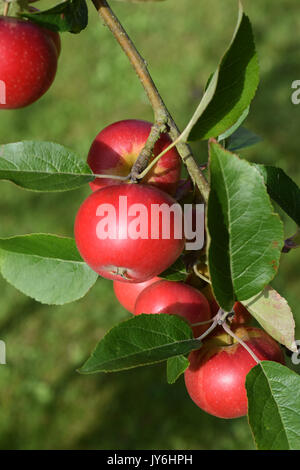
[45,403]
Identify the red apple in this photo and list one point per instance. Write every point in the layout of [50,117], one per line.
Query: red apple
[127,293]
[53,34]
[55,38]
[215,378]
[28,62]
[116,148]
[175,298]
[129,243]
[241,315]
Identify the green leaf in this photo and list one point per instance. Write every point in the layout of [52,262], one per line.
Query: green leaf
[175,367]
[246,236]
[242,138]
[142,340]
[282,190]
[43,166]
[274,406]
[176,272]
[274,314]
[235,126]
[71,15]
[45,267]
[231,88]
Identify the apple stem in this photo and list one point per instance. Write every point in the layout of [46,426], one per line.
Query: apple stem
[218,319]
[228,330]
[161,113]
[141,165]
[197,272]
[158,157]
[208,331]
[112,177]
[202,322]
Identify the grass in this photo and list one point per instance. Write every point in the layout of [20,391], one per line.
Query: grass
[45,403]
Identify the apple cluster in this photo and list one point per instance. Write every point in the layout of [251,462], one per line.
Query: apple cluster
[215,378]
[119,255]
[28,61]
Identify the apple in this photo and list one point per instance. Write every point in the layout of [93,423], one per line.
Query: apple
[129,243]
[215,378]
[175,298]
[116,148]
[28,61]
[54,35]
[214,307]
[241,315]
[127,293]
